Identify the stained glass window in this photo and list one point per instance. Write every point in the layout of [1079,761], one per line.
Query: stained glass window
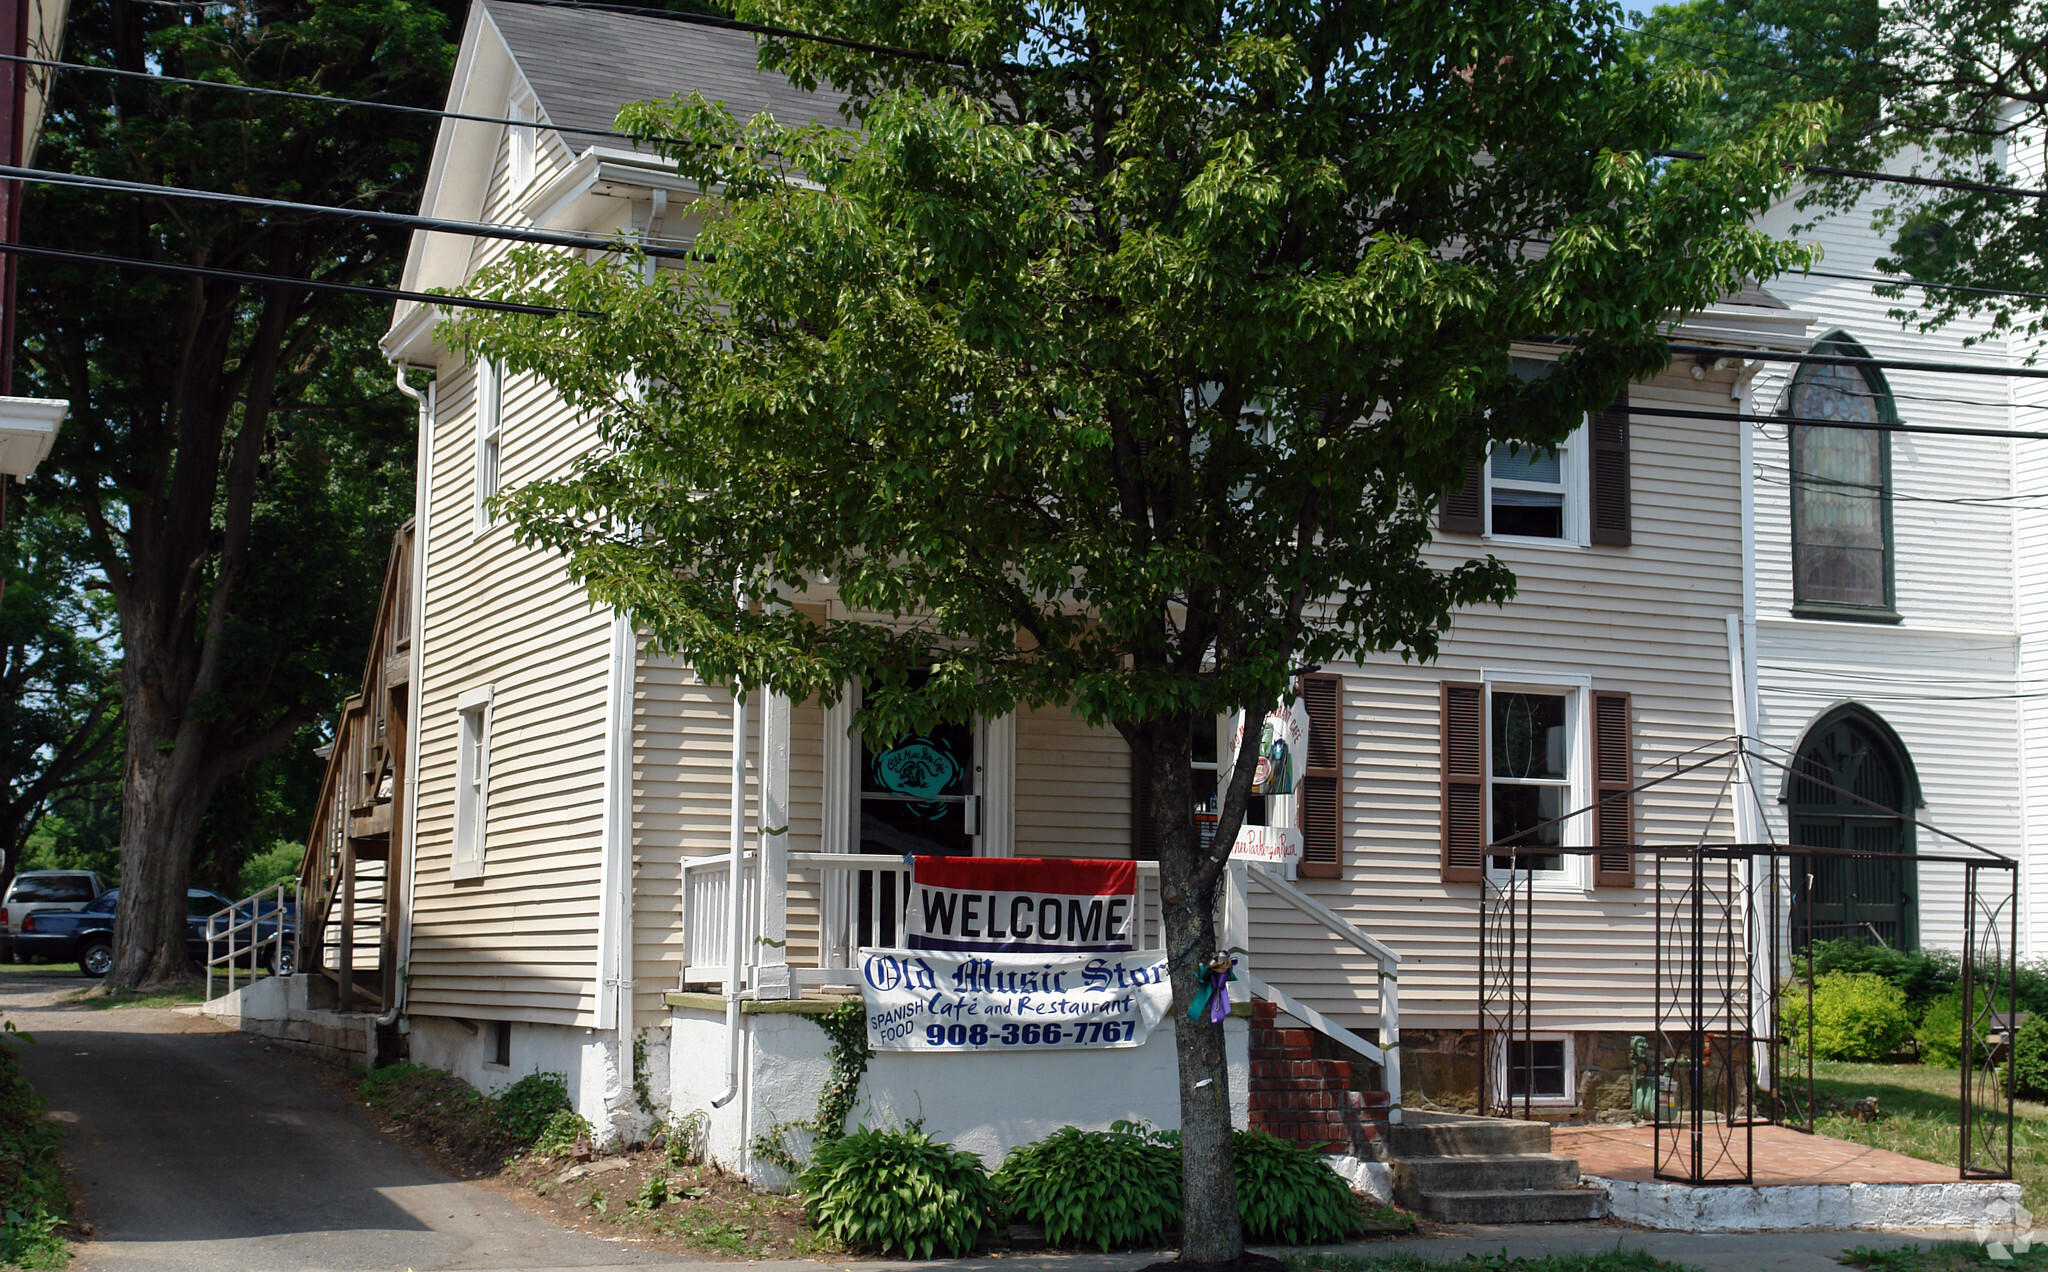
[1840,502]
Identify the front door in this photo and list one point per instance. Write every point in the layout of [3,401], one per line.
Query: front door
[1850,792]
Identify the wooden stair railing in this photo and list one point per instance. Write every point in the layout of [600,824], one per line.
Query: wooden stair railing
[359,818]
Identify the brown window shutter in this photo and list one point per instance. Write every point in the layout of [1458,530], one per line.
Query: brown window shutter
[1463,754]
[1613,778]
[1322,779]
[1144,840]
[1464,509]
[1609,471]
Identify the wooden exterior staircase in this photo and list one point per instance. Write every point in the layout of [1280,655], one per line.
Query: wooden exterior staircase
[350,886]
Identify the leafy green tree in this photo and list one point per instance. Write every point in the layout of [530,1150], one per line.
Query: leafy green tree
[1125,378]
[234,451]
[59,692]
[1950,89]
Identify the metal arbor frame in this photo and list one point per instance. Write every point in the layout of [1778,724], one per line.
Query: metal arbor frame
[1718,1055]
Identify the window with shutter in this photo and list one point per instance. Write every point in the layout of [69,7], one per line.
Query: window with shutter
[1614,778]
[1322,782]
[1464,509]
[1608,466]
[1464,782]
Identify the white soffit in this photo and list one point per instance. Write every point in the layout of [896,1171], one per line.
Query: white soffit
[28,427]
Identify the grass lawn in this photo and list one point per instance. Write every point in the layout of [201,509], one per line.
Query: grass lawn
[1944,1256]
[1919,1105]
[41,969]
[97,999]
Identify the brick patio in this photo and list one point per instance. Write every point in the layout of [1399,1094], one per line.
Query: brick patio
[1782,1156]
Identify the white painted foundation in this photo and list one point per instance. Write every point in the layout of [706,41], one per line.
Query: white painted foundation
[985,1104]
[1789,1207]
[598,1069]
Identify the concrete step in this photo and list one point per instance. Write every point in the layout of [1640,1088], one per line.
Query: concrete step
[1542,1205]
[1453,1135]
[1506,1172]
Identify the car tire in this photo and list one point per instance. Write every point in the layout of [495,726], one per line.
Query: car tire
[96,959]
[282,960]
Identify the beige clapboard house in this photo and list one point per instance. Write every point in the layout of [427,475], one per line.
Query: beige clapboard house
[560,835]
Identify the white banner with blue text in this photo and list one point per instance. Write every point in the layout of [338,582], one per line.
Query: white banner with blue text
[945,1000]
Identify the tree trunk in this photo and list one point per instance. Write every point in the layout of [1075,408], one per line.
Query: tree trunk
[164,792]
[1211,1230]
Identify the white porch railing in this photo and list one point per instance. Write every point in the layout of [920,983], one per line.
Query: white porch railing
[1386,1052]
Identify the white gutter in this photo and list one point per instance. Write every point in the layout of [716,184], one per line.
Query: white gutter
[734,880]
[422,502]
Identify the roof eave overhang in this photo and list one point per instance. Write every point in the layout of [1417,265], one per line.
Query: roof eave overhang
[28,428]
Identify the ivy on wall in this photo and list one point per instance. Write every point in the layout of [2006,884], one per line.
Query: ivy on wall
[847,1027]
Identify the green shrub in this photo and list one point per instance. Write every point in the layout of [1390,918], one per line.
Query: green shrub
[279,864]
[1114,1188]
[558,1136]
[1287,1193]
[1856,1016]
[33,1203]
[527,1106]
[1921,975]
[898,1191]
[378,1085]
[1940,1032]
[2029,1058]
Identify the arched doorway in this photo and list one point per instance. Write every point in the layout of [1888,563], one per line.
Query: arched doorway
[1851,756]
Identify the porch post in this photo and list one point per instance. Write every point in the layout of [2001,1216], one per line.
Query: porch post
[1390,1040]
[836,824]
[771,949]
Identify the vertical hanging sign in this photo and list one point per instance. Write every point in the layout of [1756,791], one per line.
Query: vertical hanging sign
[1283,750]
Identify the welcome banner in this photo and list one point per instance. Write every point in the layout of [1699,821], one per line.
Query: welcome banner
[1021,905]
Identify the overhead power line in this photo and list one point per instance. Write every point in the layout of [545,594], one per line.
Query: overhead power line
[1860,426]
[281,280]
[403,220]
[324,99]
[1862,174]
[1831,359]
[776,32]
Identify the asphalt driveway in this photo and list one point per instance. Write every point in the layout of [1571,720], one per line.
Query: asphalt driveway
[197,1149]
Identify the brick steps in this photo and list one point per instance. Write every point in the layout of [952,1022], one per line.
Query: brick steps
[1299,1096]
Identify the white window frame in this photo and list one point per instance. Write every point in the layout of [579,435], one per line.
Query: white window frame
[522,140]
[1571,465]
[1570,1098]
[472,783]
[1576,876]
[490,442]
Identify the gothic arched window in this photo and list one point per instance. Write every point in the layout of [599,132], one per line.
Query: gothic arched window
[1841,488]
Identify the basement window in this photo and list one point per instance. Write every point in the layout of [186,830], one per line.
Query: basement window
[501,1043]
[1541,1066]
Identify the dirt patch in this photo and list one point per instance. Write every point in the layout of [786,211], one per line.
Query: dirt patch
[634,1196]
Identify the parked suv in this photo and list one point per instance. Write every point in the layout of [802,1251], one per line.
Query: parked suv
[34,890]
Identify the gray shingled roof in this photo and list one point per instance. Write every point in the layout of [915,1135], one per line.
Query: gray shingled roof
[584,64]
[1751,294]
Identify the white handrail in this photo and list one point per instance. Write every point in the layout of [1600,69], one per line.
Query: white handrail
[215,934]
[1329,918]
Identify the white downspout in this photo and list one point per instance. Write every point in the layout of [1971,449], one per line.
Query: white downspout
[423,512]
[735,908]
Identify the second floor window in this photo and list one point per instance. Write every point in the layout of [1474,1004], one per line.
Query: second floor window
[1841,489]
[490,433]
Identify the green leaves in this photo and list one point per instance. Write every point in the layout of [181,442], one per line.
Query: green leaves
[898,1191]
[1289,1194]
[1111,1189]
